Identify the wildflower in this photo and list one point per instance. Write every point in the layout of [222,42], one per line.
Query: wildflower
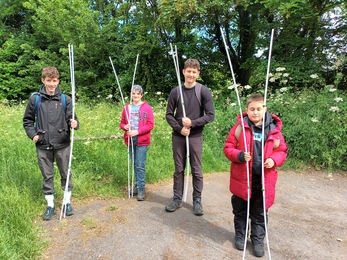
[109,96]
[232,104]
[284,82]
[332,89]
[272,79]
[285,75]
[314,76]
[314,120]
[284,89]
[158,93]
[280,69]
[98,96]
[338,99]
[334,109]
[248,87]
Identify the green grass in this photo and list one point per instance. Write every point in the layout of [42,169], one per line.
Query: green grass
[314,133]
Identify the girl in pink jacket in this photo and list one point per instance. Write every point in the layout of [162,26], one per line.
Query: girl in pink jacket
[137,122]
[275,153]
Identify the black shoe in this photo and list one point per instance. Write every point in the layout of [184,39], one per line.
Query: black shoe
[141,194]
[198,207]
[69,210]
[258,250]
[174,204]
[48,213]
[239,243]
[134,191]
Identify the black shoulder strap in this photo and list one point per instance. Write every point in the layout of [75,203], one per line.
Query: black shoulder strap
[37,101]
[198,92]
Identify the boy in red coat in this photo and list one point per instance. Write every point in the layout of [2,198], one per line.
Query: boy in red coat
[275,153]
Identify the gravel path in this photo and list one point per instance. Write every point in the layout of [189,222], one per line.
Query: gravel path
[307,221]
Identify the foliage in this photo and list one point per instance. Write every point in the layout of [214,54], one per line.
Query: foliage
[309,38]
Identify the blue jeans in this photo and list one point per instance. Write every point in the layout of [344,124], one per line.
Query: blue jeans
[140,154]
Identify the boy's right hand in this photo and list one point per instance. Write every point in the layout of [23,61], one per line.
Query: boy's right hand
[247,156]
[35,138]
[185,131]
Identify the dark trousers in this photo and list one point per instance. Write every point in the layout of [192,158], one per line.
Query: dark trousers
[46,160]
[180,157]
[256,214]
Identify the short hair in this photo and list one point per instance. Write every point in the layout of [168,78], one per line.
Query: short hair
[192,63]
[254,98]
[50,72]
[137,88]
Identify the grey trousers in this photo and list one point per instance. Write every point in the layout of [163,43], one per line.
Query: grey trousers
[180,157]
[46,160]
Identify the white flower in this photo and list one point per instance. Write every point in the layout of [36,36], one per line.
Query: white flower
[334,109]
[248,87]
[232,104]
[338,99]
[284,82]
[285,75]
[332,89]
[284,89]
[109,96]
[280,69]
[314,76]
[98,96]
[158,93]
[314,120]
[272,79]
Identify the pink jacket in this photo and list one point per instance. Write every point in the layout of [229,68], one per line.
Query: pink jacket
[146,124]
[274,147]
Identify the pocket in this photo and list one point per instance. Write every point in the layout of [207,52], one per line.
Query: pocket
[64,135]
[41,133]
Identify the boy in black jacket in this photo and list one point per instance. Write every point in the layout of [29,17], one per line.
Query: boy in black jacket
[49,128]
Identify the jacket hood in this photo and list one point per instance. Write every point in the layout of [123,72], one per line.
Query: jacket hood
[269,119]
[43,92]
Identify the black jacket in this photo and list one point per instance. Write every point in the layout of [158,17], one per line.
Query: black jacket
[53,124]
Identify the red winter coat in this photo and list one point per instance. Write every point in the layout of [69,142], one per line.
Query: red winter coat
[274,147]
[146,124]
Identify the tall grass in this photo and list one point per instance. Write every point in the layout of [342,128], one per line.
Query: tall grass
[313,125]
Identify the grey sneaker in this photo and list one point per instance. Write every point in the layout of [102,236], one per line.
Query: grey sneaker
[69,210]
[48,213]
[141,194]
[174,204]
[198,207]
[258,250]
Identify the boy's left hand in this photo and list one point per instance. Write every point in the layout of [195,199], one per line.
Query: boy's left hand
[73,123]
[269,163]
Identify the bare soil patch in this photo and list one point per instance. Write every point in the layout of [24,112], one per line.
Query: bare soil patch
[307,221]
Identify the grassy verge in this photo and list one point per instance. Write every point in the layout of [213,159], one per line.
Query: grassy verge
[313,125]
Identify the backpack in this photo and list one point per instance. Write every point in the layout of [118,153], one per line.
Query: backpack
[38,103]
[197,92]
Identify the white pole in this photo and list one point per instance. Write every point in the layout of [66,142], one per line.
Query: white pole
[128,119]
[132,144]
[176,62]
[262,145]
[72,74]
[244,138]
